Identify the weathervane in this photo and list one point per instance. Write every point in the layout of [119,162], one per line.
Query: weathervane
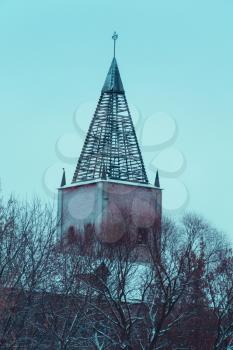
[115,37]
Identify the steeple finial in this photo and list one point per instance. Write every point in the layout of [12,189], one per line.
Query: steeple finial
[114,37]
[157,182]
[63,181]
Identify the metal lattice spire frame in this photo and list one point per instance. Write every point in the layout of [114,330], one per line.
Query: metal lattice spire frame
[111,147]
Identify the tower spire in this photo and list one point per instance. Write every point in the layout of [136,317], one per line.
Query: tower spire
[63,180]
[157,182]
[114,37]
[111,147]
[113,81]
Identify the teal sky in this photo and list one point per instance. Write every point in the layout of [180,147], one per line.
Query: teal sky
[174,57]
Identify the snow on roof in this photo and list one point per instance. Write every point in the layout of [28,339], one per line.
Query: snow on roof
[135,278]
[121,182]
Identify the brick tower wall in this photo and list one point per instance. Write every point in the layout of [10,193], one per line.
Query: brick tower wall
[117,210]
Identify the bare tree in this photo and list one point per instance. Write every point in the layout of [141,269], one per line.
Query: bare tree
[27,233]
[75,292]
[144,305]
[220,291]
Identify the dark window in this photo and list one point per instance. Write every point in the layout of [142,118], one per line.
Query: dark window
[71,231]
[72,235]
[142,235]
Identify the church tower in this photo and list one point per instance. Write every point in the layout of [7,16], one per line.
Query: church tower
[110,189]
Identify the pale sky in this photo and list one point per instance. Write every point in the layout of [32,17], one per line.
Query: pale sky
[175,59]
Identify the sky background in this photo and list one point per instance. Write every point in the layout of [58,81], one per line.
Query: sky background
[175,59]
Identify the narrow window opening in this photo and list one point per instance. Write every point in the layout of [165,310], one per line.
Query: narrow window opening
[142,235]
[72,235]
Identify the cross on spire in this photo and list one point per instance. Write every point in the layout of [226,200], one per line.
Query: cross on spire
[114,37]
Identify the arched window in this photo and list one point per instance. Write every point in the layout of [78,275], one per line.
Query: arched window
[142,235]
[72,235]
